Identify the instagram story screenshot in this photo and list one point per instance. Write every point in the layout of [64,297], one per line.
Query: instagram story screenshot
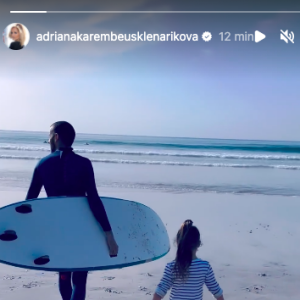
[150,150]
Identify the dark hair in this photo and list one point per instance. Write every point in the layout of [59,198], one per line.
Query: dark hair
[65,131]
[188,239]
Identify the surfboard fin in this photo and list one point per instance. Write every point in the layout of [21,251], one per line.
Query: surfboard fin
[8,236]
[24,209]
[42,260]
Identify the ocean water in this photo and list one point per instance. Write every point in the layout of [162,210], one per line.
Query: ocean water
[175,165]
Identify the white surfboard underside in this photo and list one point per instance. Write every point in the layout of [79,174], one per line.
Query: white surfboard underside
[65,230]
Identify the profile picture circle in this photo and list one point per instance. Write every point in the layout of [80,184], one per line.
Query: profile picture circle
[16,36]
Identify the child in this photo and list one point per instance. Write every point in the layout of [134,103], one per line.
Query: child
[187,274]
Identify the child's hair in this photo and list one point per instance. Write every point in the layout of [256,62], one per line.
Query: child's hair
[188,239]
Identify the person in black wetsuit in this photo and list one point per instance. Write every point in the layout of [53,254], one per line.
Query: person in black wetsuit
[17,33]
[64,173]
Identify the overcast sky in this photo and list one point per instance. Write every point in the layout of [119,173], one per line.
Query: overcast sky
[241,90]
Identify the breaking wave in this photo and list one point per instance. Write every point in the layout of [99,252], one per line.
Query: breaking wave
[169,163]
[165,153]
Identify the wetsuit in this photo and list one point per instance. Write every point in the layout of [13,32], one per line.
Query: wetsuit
[64,173]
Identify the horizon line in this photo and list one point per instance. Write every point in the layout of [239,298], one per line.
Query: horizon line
[162,136]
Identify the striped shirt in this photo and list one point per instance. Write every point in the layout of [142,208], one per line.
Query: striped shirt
[200,273]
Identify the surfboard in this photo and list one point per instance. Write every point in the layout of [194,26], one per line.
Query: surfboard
[61,234]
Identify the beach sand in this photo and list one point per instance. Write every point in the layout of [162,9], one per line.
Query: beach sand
[252,243]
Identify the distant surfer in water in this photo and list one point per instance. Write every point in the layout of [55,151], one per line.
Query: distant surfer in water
[64,173]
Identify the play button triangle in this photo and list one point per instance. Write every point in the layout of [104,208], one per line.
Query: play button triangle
[259,36]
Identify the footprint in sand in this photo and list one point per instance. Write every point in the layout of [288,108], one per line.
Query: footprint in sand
[108,278]
[254,288]
[146,274]
[144,289]
[9,277]
[265,226]
[110,290]
[31,284]
[95,288]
